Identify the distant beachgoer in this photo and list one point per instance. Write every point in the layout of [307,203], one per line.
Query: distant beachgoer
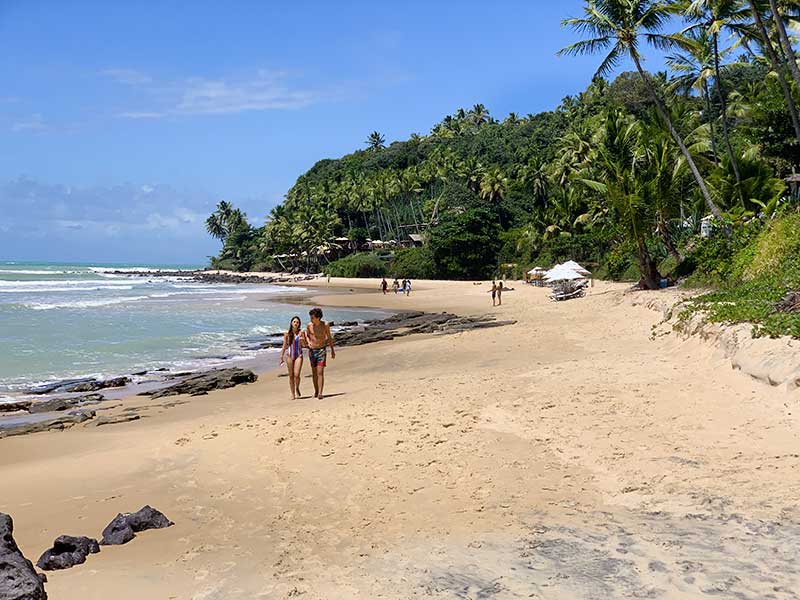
[407,287]
[384,285]
[395,285]
[294,341]
[318,336]
[494,293]
[499,293]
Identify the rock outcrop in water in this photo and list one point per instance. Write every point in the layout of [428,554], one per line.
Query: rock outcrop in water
[67,551]
[202,383]
[125,526]
[18,579]
[60,404]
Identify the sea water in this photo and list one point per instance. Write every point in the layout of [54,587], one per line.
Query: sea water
[60,321]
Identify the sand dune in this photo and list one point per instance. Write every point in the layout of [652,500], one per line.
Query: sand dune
[568,456]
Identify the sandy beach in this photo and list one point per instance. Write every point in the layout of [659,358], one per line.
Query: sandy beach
[572,455]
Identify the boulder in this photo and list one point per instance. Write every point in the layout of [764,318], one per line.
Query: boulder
[67,551]
[18,578]
[124,526]
[202,383]
[114,419]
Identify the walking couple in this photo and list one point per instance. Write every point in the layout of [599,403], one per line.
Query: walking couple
[317,337]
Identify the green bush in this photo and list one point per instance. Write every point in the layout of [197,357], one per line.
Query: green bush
[756,268]
[465,244]
[364,264]
[414,263]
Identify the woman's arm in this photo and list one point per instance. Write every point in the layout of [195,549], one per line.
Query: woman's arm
[283,348]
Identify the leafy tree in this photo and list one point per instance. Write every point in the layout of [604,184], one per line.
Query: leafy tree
[465,244]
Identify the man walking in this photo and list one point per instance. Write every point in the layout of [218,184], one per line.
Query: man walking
[319,338]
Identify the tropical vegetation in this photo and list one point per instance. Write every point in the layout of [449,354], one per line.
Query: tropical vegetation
[622,176]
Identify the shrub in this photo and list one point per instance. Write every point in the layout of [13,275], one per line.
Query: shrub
[414,263]
[465,244]
[364,264]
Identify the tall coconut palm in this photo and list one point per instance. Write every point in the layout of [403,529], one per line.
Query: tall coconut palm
[716,16]
[224,220]
[786,44]
[694,68]
[479,115]
[777,63]
[620,25]
[375,141]
[494,185]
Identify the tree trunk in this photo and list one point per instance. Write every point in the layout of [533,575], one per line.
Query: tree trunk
[707,98]
[778,67]
[663,231]
[785,43]
[647,267]
[662,111]
[724,105]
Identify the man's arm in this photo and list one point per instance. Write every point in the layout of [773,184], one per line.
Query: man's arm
[330,340]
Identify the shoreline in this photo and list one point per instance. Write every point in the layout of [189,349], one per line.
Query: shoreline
[568,451]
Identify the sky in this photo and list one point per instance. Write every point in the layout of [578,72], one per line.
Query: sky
[122,124]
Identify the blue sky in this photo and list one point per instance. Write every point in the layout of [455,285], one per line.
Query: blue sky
[123,123]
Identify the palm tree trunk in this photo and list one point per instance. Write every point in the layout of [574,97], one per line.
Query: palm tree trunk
[777,66]
[663,231]
[707,98]
[724,105]
[647,267]
[662,111]
[785,43]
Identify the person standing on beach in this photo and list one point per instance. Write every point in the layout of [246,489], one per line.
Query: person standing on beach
[294,341]
[384,286]
[499,293]
[319,338]
[395,285]
[407,287]
[494,294]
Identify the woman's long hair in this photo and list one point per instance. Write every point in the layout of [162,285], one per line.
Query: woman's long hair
[291,329]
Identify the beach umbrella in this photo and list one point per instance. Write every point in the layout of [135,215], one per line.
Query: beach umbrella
[536,271]
[561,272]
[571,264]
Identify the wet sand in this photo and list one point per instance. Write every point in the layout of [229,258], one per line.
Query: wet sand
[568,456]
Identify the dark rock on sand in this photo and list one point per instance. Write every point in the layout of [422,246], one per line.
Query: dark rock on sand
[94,385]
[114,419]
[59,404]
[15,405]
[86,384]
[58,423]
[202,383]
[18,578]
[67,551]
[407,323]
[125,525]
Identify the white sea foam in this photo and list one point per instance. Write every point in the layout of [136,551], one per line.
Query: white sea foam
[29,290]
[85,303]
[69,282]
[134,270]
[40,272]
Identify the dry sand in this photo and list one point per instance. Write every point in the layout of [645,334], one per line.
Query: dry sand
[569,456]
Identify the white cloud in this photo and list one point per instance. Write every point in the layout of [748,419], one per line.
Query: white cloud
[263,90]
[33,123]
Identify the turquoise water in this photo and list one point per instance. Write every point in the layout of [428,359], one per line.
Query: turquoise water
[73,320]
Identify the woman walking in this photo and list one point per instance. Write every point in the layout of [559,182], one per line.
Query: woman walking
[294,341]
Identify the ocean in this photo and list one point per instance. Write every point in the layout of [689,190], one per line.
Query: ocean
[60,321]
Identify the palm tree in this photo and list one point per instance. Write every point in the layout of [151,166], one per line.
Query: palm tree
[375,141]
[694,68]
[494,185]
[621,24]
[716,16]
[479,115]
[224,220]
[788,51]
[778,65]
